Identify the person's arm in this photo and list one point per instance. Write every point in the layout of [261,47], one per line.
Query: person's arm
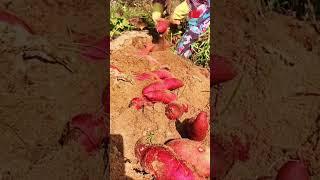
[181,11]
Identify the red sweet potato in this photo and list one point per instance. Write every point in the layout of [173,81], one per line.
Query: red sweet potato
[162,74]
[98,50]
[240,149]
[113,67]
[221,69]
[197,128]
[166,84]
[8,18]
[146,50]
[172,83]
[88,130]
[160,96]
[193,152]
[162,162]
[156,86]
[162,26]
[174,111]
[293,170]
[222,157]
[158,74]
[144,76]
[226,153]
[139,102]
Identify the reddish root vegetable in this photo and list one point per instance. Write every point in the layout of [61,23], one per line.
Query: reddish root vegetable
[162,74]
[162,162]
[223,159]
[172,83]
[158,74]
[161,96]
[144,76]
[115,68]
[145,51]
[8,18]
[293,170]
[240,149]
[174,111]
[139,102]
[193,152]
[197,128]
[88,130]
[162,26]
[166,84]
[156,86]
[222,70]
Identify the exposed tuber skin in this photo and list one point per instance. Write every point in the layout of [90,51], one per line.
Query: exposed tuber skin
[161,96]
[138,103]
[87,129]
[293,170]
[197,128]
[166,84]
[15,21]
[163,164]
[222,70]
[193,152]
[174,111]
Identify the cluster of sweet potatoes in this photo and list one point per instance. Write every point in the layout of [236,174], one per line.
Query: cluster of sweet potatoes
[221,69]
[90,130]
[160,91]
[185,158]
[176,159]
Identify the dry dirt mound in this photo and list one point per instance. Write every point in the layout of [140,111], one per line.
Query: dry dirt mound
[39,98]
[277,102]
[127,124]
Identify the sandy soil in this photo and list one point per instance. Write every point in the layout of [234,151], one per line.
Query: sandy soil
[38,98]
[127,125]
[277,98]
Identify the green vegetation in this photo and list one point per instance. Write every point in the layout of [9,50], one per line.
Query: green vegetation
[120,15]
[122,12]
[201,50]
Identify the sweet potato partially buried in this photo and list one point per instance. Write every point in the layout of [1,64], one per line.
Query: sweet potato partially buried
[162,74]
[87,129]
[161,96]
[197,128]
[226,153]
[10,19]
[174,111]
[166,84]
[221,70]
[222,157]
[193,152]
[293,170]
[139,103]
[162,162]
[157,74]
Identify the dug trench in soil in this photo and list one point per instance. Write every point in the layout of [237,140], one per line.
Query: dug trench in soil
[275,97]
[131,124]
[39,98]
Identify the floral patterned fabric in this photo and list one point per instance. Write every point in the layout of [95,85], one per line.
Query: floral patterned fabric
[198,23]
